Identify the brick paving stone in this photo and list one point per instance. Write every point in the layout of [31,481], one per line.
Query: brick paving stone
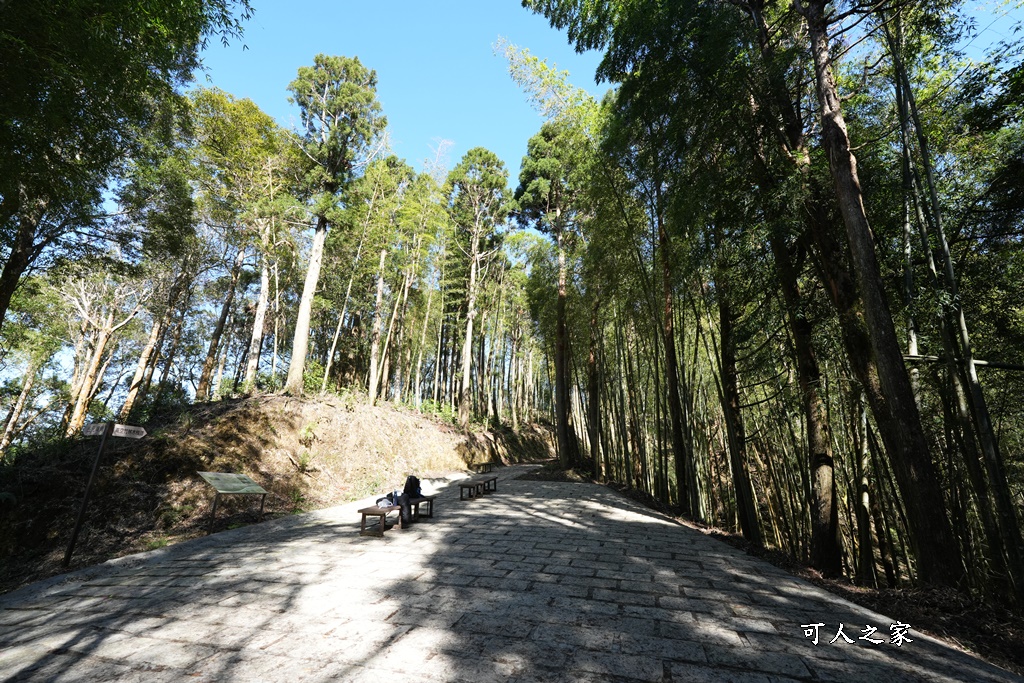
[695,673]
[700,629]
[569,605]
[764,662]
[501,588]
[557,589]
[653,588]
[626,625]
[625,597]
[712,607]
[619,666]
[665,649]
[596,638]
[527,653]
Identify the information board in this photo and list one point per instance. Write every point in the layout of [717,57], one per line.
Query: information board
[228,482]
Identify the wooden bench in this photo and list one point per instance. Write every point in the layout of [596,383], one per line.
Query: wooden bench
[414,505]
[477,486]
[382,512]
[482,467]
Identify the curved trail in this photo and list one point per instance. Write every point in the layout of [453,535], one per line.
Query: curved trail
[540,581]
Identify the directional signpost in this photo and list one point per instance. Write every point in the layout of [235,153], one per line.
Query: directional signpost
[94,429]
[106,429]
[129,432]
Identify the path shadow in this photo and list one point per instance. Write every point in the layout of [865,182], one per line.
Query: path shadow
[540,581]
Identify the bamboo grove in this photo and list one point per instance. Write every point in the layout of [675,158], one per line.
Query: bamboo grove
[756,236]
[773,280]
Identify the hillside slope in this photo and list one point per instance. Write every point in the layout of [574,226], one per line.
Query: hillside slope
[308,454]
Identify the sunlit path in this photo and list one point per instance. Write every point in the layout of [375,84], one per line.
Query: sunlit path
[540,581]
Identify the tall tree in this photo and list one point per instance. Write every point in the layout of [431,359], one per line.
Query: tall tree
[478,204]
[548,200]
[244,157]
[626,30]
[341,118]
[931,533]
[80,81]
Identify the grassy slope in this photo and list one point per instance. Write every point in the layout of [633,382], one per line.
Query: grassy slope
[308,454]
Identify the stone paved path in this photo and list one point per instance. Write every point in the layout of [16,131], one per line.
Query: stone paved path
[541,581]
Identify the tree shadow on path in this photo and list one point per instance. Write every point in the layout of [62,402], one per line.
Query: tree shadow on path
[540,581]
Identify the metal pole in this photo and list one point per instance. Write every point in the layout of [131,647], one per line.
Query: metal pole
[85,499]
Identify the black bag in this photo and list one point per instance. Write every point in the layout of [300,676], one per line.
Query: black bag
[412,487]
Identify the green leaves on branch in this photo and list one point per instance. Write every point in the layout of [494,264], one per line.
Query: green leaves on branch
[340,117]
[478,191]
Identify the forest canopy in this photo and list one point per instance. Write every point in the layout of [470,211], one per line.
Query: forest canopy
[774,280]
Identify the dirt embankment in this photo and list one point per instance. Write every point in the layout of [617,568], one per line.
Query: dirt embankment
[307,454]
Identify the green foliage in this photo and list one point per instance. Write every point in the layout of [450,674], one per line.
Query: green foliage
[308,435]
[548,89]
[312,376]
[269,383]
[340,117]
[170,516]
[297,499]
[305,462]
[442,410]
[79,77]
[156,192]
[165,402]
[156,543]
[547,192]
[477,192]
[81,81]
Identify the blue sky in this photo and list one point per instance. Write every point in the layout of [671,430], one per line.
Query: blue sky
[438,76]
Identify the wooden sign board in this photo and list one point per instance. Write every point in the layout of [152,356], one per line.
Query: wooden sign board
[129,431]
[126,431]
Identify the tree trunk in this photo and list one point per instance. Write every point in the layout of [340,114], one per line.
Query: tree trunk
[135,388]
[378,315]
[294,385]
[10,430]
[745,506]
[259,320]
[169,360]
[206,376]
[931,533]
[418,382]
[395,328]
[146,357]
[565,450]
[465,396]
[277,325]
[681,449]
[78,413]
[866,565]
[594,388]
[1010,537]
[23,252]
[826,543]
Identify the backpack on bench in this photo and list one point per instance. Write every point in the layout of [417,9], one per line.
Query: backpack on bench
[412,487]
